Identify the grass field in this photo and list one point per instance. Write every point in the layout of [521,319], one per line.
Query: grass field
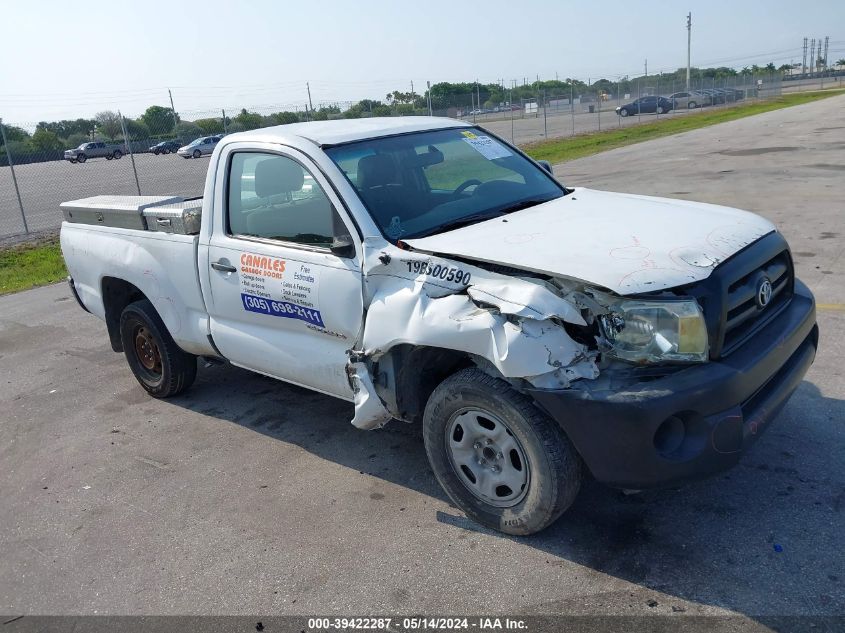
[564,149]
[29,265]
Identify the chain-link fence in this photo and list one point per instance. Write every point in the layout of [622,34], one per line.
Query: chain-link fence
[164,152]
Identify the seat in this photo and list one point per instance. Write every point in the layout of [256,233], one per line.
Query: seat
[276,180]
[380,186]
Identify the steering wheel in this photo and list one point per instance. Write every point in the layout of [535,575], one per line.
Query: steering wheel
[465,185]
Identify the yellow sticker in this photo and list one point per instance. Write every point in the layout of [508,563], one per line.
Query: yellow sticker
[468,134]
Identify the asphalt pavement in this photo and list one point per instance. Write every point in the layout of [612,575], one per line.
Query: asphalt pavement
[246,495]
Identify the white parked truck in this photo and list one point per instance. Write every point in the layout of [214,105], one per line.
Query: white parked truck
[428,271]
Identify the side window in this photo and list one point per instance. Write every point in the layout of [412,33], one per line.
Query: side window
[275,197]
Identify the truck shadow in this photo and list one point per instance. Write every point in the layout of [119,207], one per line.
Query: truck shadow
[763,538]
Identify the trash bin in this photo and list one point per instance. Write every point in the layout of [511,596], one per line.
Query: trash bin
[592,109]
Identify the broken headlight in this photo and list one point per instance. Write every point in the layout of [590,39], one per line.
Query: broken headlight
[656,331]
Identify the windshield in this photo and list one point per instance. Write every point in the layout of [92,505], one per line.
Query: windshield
[429,182]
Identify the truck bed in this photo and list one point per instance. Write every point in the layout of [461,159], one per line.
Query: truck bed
[163,266]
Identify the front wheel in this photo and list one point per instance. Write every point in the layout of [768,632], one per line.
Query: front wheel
[117,154]
[623,112]
[660,110]
[498,457]
[692,105]
[81,158]
[159,365]
[197,153]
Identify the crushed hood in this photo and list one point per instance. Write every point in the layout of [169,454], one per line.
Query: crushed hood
[626,243]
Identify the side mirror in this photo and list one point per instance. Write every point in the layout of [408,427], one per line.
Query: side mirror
[343,246]
[546,165]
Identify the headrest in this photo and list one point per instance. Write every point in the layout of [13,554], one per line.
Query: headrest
[277,175]
[376,171]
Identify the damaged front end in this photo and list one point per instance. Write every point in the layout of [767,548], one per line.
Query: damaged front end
[534,332]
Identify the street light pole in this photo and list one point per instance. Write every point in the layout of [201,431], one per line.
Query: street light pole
[689,42]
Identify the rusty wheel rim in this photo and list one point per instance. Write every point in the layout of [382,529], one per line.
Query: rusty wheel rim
[146,350]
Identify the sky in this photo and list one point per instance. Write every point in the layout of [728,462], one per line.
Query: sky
[63,59]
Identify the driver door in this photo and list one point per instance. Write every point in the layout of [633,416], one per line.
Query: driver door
[281,302]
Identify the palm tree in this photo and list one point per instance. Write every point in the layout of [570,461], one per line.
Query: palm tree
[840,62]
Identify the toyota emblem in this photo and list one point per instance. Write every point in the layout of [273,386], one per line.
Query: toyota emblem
[764,293]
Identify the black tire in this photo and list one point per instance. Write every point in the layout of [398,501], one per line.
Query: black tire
[660,110]
[553,467]
[72,161]
[117,154]
[81,158]
[197,153]
[159,365]
[623,112]
[109,157]
[165,151]
[692,105]
[155,151]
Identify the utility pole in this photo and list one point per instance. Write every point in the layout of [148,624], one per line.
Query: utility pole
[826,42]
[173,110]
[689,42]
[646,67]
[412,88]
[812,54]
[308,88]
[224,122]
[428,84]
[478,88]
[804,60]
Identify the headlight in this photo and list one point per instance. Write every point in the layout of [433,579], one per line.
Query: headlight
[656,331]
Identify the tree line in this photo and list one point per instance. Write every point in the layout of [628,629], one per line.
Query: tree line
[161,123]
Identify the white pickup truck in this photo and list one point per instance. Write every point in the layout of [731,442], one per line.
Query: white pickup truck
[428,271]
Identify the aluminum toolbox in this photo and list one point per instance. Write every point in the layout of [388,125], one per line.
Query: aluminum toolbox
[180,217]
[126,212]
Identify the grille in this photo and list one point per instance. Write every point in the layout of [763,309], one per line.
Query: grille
[729,295]
[744,315]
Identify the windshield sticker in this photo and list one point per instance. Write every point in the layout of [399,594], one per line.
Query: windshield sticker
[276,287]
[469,134]
[487,147]
[395,230]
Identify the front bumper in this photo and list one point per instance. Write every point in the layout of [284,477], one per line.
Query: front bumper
[696,421]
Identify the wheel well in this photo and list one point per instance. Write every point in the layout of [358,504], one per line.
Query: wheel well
[117,294]
[418,371]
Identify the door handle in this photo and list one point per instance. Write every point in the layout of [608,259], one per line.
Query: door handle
[223,266]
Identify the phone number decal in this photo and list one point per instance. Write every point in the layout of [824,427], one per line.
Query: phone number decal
[281,309]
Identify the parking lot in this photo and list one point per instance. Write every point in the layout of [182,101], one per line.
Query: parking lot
[246,495]
[44,186]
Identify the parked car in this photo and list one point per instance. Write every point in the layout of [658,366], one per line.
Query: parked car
[688,100]
[645,105]
[199,147]
[94,149]
[716,97]
[326,258]
[165,147]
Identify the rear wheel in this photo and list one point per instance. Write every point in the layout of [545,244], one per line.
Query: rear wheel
[117,154]
[497,456]
[159,365]
[165,151]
